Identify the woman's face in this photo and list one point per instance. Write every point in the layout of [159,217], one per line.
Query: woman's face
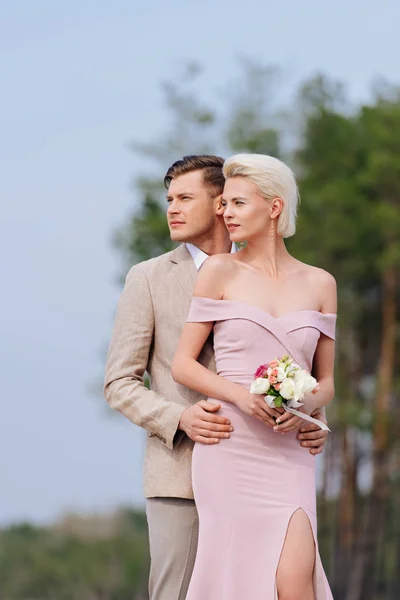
[246,212]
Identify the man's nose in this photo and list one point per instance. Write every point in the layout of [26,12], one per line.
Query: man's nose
[173,208]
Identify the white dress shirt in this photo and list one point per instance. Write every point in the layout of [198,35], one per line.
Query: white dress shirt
[199,256]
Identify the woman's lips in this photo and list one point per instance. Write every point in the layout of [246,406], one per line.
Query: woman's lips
[232,226]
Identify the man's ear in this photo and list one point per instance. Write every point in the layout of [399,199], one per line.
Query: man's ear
[219,209]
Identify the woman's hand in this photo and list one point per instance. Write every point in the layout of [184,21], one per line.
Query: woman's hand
[288,422]
[254,405]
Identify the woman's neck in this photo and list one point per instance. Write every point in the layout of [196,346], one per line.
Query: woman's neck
[270,256]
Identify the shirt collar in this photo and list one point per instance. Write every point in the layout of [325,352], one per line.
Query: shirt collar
[199,257]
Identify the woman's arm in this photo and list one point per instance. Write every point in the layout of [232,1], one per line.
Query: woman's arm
[189,372]
[324,357]
[323,364]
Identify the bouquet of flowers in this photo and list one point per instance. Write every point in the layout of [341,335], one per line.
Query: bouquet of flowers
[285,384]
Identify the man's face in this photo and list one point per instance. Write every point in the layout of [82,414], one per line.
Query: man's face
[191,208]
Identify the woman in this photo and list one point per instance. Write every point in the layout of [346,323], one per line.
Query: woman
[255,492]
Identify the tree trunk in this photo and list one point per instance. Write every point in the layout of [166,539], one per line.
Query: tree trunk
[361,585]
[346,513]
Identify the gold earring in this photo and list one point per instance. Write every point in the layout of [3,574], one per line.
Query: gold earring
[273,232]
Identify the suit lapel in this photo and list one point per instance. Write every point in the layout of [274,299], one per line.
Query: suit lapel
[184,269]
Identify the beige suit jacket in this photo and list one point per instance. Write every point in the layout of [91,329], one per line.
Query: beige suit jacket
[149,320]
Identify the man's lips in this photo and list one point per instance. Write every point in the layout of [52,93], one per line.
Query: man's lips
[176,223]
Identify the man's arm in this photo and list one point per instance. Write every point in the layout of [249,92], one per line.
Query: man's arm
[127,361]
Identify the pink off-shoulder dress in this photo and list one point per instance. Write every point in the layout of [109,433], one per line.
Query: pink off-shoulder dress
[248,487]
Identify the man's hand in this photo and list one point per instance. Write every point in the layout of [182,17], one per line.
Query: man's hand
[201,425]
[311,436]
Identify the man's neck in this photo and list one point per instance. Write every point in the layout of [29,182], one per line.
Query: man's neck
[214,244]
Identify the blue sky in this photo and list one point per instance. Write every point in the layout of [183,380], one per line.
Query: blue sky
[80,81]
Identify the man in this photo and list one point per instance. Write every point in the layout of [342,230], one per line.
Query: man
[151,313]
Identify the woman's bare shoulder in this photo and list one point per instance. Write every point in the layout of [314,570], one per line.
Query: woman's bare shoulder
[216,270]
[325,285]
[317,275]
[220,263]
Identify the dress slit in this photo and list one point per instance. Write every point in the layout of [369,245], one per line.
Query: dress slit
[318,572]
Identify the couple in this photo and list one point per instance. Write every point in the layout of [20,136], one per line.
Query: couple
[253,478]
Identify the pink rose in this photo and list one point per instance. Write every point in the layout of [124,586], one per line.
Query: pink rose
[273,363]
[274,372]
[272,379]
[277,386]
[261,371]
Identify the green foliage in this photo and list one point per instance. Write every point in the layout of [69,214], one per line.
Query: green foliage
[48,563]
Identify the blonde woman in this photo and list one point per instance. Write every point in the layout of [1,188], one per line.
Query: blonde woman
[256,494]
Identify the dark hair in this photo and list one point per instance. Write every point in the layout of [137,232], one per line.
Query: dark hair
[208,163]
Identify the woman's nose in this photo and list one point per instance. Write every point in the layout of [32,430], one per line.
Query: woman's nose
[227,212]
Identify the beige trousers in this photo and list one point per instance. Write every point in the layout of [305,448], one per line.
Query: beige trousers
[173,534]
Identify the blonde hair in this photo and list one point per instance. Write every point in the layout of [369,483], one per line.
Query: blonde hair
[273,179]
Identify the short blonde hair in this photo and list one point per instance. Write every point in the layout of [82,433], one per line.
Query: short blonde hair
[273,179]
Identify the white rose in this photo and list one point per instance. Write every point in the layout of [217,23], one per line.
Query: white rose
[299,374]
[281,374]
[292,369]
[309,383]
[287,389]
[298,390]
[260,386]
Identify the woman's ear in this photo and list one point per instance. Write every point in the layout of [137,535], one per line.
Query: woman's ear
[276,207]
[219,209]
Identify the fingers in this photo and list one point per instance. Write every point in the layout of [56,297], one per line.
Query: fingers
[285,417]
[205,440]
[310,427]
[315,444]
[209,418]
[272,412]
[212,434]
[291,424]
[313,435]
[263,416]
[266,419]
[214,427]
[209,406]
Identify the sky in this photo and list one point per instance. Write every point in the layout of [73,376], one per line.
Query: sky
[80,80]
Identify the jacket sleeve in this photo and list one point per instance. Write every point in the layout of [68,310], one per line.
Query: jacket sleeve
[127,361]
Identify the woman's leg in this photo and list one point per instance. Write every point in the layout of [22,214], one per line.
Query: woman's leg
[294,578]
